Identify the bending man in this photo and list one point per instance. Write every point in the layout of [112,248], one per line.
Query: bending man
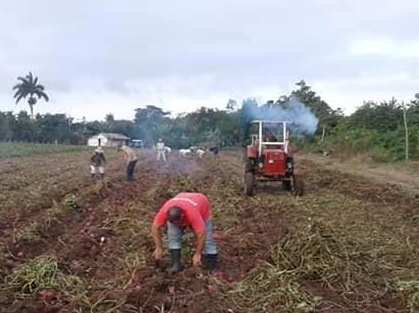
[131,159]
[97,163]
[186,210]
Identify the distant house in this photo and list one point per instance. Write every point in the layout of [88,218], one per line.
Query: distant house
[108,140]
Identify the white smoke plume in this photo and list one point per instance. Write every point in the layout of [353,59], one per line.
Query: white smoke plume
[303,121]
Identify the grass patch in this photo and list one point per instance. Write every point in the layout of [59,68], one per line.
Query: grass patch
[31,233]
[43,273]
[318,253]
[336,265]
[132,262]
[271,289]
[13,150]
[410,294]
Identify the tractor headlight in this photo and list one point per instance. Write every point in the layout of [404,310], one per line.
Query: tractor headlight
[260,165]
[289,165]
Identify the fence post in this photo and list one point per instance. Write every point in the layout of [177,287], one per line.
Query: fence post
[323,134]
[406,134]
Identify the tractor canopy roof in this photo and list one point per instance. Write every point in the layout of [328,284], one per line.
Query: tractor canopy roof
[269,121]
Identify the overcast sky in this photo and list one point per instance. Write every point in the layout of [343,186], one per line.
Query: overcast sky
[101,56]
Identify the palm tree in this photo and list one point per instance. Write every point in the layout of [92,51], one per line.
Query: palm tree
[29,86]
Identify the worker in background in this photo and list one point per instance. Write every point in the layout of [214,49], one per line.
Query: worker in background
[97,163]
[131,159]
[161,150]
[215,150]
[186,210]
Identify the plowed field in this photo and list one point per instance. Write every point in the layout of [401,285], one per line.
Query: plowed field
[68,244]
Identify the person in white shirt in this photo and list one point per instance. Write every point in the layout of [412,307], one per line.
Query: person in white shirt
[161,151]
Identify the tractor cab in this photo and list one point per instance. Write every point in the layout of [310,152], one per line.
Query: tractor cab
[274,135]
[267,155]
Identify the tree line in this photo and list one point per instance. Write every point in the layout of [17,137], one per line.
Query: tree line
[378,129]
[202,127]
[205,126]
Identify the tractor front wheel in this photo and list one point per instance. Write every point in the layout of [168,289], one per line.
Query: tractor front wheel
[249,183]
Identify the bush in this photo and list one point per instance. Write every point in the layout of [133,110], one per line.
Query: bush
[382,146]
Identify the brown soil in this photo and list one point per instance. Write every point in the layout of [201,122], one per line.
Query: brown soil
[105,241]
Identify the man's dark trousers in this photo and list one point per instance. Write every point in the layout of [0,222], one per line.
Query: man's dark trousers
[130,170]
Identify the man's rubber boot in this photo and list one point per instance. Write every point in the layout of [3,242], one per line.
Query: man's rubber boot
[102,176]
[175,256]
[211,262]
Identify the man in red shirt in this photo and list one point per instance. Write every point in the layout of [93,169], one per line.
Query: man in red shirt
[186,210]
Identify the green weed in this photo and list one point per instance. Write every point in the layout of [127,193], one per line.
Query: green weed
[43,273]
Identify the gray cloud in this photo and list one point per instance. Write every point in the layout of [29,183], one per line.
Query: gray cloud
[116,55]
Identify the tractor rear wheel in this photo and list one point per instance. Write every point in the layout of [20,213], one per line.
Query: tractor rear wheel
[249,183]
[297,185]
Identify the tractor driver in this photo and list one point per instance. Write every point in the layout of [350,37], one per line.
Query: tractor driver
[269,137]
[186,210]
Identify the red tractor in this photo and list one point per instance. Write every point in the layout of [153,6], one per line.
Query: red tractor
[268,158]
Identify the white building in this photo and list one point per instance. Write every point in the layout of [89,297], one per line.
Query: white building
[108,140]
